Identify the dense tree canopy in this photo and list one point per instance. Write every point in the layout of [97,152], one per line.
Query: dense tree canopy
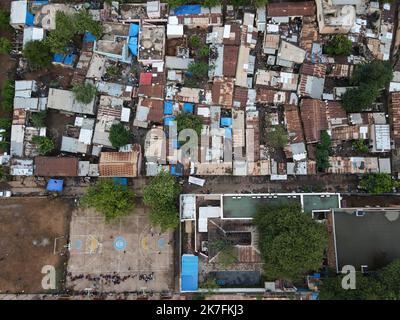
[291,242]
[37,54]
[360,146]
[189,121]
[7,95]
[277,137]
[110,199]
[119,135]
[339,44]
[45,145]
[4,19]
[360,98]
[84,92]
[69,25]
[5,45]
[323,151]
[377,183]
[38,119]
[375,73]
[370,78]
[198,69]
[381,285]
[161,195]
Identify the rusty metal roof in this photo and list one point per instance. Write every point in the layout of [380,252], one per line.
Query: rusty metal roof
[291,9]
[222,92]
[313,116]
[231,54]
[56,166]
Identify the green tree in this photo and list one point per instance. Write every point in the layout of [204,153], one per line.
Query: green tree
[210,285]
[161,195]
[278,137]
[5,123]
[226,252]
[377,183]
[204,51]
[110,199]
[375,73]
[84,92]
[38,119]
[5,45]
[291,242]
[211,3]
[261,3]
[189,121]
[59,38]
[199,69]
[119,135]
[37,54]
[8,93]
[237,3]
[323,150]
[83,22]
[175,3]
[381,285]
[195,41]
[45,144]
[339,44]
[360,98]
[4,19]
[360,146]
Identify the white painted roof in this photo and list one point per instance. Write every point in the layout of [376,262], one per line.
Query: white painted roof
[18,12]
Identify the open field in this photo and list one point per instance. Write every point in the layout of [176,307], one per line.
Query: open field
[111,257]
[28,228]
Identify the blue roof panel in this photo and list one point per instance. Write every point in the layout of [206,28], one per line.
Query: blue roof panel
[133,30]
[188,9]
[121,181]
[188,107]
[168,107]
[69,59]
[226,122]
[55,185]
[58,57]
[88,37]
[189,273]
[168,120]
[29,19]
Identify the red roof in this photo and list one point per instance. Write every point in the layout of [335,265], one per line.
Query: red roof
[145,78]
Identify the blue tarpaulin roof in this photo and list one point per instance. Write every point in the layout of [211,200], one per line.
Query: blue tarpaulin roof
[40,2]
[133,30]
[88,37]
[55,185]
[228,133]
[58,57]
[29,19]
[121,181]
[168,120]
[189,273]
[226,122]
[188,107]
[69,59]
[168,107]
[133,45]
[188,9]
[177,170]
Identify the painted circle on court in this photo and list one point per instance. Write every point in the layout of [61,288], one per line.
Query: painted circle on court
[119,243]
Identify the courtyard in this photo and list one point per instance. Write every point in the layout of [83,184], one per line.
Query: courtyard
[122,256]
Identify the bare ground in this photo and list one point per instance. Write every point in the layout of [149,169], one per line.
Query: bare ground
[28,228]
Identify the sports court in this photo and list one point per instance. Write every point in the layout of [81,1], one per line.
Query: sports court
[114,256]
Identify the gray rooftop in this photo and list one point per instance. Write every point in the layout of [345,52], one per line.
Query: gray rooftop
[370,240]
